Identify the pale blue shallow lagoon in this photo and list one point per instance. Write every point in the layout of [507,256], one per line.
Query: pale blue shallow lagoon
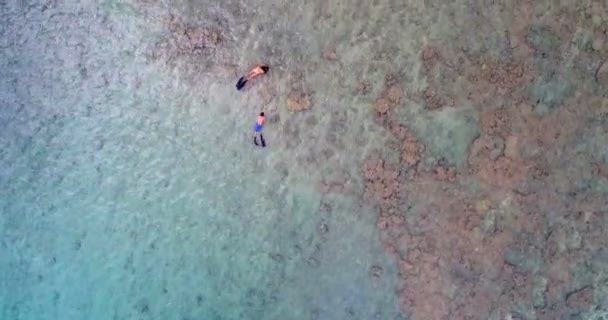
[130,189]
[426,160]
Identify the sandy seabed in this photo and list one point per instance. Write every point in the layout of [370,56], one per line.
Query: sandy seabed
[425,160]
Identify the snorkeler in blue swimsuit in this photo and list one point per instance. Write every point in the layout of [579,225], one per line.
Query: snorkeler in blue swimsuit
[259,125]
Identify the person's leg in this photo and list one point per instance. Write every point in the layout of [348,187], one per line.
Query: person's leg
[262,140]
[255,140]
[241,83]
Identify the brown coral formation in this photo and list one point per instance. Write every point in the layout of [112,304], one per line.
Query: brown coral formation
[410,148]
[449,274]
[503,237]
[298,102]
[393,94]
[382,180]
[299,93]
[389,99]
[432,100]
[363,88]
[428,57]
[411,151]
[457,256]
[506,77]
[496,122]
[436,249]
[491,82]
[186,40]
[445,174]
[489,162]
[382,106]
[438,71]
[330,54]
[515,247]
[191,38]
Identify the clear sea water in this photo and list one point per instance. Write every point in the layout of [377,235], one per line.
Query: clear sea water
[129,186]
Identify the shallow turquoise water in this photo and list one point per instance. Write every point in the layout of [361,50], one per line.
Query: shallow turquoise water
[129,189]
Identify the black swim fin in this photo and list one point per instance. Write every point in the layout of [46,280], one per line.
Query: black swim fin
[241,83]
[263,141]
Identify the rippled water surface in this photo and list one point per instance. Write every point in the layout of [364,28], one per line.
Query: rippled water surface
[129,185]
[425,160]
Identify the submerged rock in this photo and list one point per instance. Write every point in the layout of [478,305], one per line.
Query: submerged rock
[573,240]
[599,314]
[539,289]
[313,262]
[525,258]
[449,135]
[330,54]
[550,88]
[488,224]
[580,298]
[599,39]
[602,74]
[323,228]
[498,148]
[393,94]
[376,271]
[544,40]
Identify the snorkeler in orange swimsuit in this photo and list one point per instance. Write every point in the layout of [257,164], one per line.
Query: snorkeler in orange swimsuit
[258,70]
